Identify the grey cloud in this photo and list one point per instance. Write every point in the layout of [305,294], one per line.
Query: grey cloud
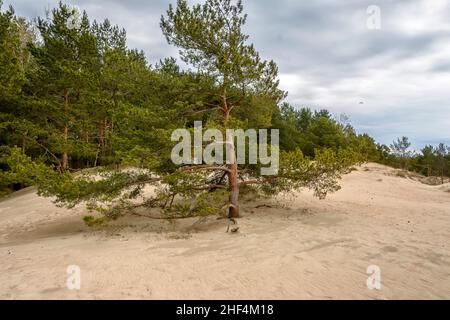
[441,66]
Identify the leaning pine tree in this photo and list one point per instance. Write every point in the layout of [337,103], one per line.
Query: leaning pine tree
[234,77]
[211,39]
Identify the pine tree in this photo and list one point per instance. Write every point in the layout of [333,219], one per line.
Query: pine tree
[211,39]
[427,160]
[441,153]
[400,148]
[66,61]
[12,54]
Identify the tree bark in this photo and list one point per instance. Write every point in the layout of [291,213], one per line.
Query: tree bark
[233,179]
[234,192]
[102,131]
[65,156]
[233,211]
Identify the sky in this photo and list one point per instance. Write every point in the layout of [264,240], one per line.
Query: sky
[383,63]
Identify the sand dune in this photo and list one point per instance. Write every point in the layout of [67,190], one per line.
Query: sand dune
[295,248]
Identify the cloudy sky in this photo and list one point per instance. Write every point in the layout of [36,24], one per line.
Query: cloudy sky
[391,81]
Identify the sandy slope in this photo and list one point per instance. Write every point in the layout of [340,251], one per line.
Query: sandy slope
[300,248]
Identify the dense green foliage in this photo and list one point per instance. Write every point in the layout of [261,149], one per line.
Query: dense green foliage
[88,120]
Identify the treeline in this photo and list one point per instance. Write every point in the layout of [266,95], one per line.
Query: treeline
[430,161]
[74,96]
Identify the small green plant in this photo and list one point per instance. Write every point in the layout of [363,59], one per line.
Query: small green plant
[93,222]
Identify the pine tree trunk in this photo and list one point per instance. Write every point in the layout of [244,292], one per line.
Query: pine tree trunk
[65,156]
[234,192]
[105,132]
[233,179]
[101,133]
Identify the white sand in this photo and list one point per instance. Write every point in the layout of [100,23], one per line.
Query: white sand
[303,248]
